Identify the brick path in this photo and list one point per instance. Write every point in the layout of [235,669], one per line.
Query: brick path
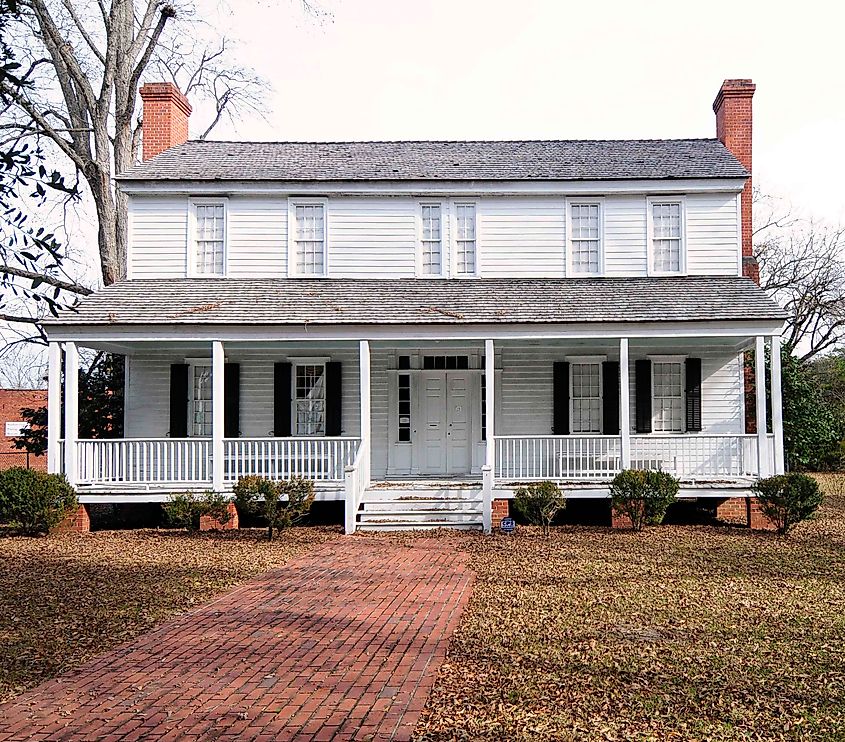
[341,643]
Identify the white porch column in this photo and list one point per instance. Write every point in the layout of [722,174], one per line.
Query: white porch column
[624,404]
[777,403]
[217,387]
[71,411]
[760,389]
[366,416]
[488,471]
[54,407]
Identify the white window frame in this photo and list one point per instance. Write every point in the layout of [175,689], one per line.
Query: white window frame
[570,267]
[444,244]
[681,360]
[306,361]
[193,364]
[586,360]
[192,271]
[292,254]
[453,240]
[651,201]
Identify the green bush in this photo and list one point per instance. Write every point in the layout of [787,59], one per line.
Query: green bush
[34,502]
[643,495]
[787,499]
[280,504]
[539,503]
[184,509]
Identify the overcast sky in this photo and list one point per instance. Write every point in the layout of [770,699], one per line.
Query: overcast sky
[469,69]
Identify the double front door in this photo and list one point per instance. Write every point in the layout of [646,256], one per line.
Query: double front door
[445,436]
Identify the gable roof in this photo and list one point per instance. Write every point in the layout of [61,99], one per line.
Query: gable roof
[439,160]
[296,301]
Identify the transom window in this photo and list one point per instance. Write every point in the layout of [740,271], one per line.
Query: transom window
[586,397]
[585,223]
[432,240]
[309,399]
[465,238]
[445,362]
[310,239]
[209,246]
[200,403]
[666,237]
[667,397]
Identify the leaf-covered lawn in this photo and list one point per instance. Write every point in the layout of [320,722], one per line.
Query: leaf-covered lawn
[681,632]
[68,597]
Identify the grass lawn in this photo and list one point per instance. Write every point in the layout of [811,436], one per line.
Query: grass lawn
[68,597]
[680,632]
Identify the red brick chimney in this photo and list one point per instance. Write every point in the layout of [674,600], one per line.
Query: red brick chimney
[165,122]
[733,129]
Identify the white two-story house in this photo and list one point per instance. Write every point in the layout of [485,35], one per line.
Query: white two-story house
[420,327]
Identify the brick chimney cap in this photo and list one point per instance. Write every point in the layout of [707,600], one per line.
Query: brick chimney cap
[164,91]
[734,88]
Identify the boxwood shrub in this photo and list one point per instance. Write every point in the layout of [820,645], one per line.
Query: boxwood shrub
[643,495]
[34,502]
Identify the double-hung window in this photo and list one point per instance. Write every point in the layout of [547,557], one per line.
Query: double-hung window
[666,236]
[209,238]
[309,238]
[585,396]
[667,397]
[200,401]
[431,239]
[585,239]
[309,399]
[465,240]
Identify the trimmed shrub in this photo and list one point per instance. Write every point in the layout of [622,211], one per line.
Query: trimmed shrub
[787,499]
[643,495]
[280,504]
[184,509]
[34,502]
[539,503]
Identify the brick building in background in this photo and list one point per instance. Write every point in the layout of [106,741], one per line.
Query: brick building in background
[11,422]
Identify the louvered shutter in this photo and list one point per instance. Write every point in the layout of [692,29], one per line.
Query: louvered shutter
[560,419]
[334,398]
[610,397]
[642,375]
[281,400]
[179,400]
[231,400]
[693,395]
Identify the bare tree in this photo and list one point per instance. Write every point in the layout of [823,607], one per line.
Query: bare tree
[801,266]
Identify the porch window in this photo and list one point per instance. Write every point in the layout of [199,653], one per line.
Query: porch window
[309,399]
[432,240]
[585,238]
[666,236]
[465,239]
[200,402]
[667,397]
[310,239]
[586,397]
[209,238]
[404,408]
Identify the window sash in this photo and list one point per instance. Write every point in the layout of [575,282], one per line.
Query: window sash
[201,404]
[465,238]
[209,238]
[432,240]
[585,237]
[666,236]
[309,399]
[585,397]
[310,239]
[667,397]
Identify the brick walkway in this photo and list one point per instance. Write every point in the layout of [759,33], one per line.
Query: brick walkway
[341,643]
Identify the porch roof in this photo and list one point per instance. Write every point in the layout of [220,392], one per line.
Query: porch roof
[252,301]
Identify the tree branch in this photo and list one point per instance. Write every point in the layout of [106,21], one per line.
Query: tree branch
[58,283]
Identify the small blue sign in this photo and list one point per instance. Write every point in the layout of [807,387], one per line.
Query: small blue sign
[508,525]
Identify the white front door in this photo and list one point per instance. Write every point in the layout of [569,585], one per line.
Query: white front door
[445,437]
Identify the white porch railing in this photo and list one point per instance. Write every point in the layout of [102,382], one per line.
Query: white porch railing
[144,460]
[319,459]
[533,457]
[697,455]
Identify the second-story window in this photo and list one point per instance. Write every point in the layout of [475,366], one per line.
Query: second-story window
[209,239]
[310,239]
[667,237]
[432,240]
[585,240]
[465,240]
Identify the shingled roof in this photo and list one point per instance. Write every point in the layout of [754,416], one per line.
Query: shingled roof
[433,160]
[422,301]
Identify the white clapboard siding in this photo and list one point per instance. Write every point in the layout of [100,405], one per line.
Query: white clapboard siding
[158,230]
[625,236]
[712,237]
[257,230]
[372,237]
[522,238]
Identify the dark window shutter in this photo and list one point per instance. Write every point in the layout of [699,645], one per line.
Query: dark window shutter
[560,420]
[179,400]
[610,397]
[334,398]
[281,400]
[642,375]
[693,394]
[231,400]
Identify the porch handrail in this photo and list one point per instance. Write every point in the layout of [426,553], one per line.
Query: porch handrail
[356,481]
[557,457]
[693,455]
